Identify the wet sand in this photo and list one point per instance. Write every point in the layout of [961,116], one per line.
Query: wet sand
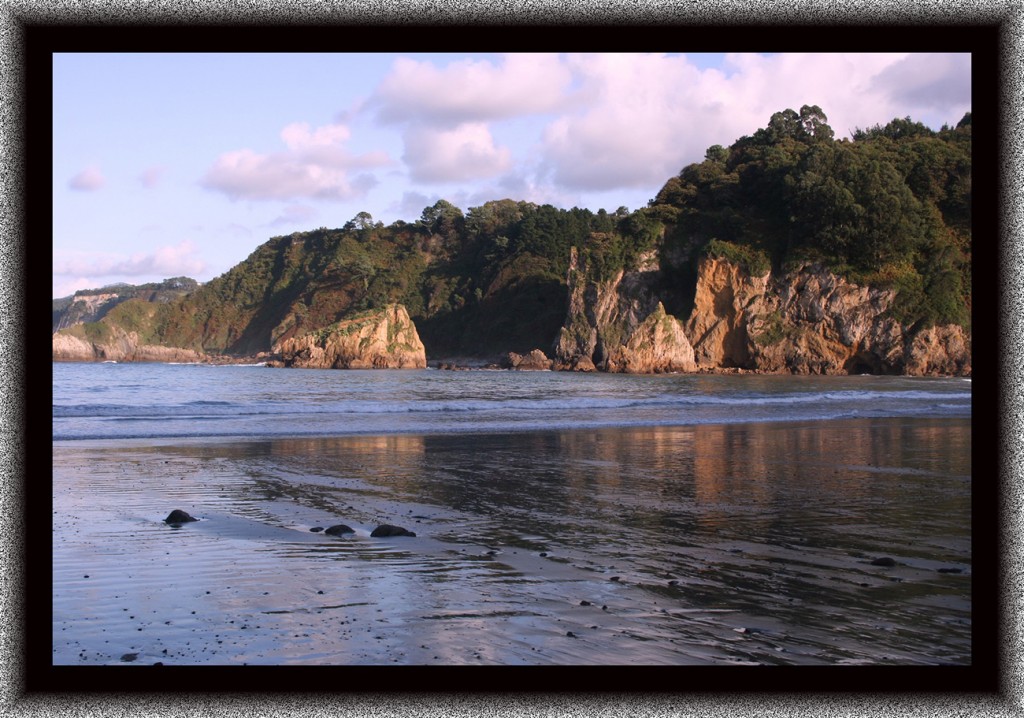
[707,545]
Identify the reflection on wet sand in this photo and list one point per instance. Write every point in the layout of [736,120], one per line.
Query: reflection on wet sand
[700,544]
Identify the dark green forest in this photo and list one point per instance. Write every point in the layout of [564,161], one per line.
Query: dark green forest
[889,207]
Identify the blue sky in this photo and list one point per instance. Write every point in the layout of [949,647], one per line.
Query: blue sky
[183,164]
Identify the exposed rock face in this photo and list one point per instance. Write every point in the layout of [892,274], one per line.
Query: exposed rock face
[121,347]
[619,325]
[718,326]
[536,360]
[379,339]
[939,350]
[809,321]
[659,344]
[85,308]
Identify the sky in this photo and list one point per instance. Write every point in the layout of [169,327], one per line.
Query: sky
[182,164]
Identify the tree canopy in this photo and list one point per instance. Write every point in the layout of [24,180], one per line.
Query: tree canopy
[892,206]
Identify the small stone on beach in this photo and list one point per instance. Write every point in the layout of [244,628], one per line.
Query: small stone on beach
[884,561]
[339,529]
[178,517]
[389,530]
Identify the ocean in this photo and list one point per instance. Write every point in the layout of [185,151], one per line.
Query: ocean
[560,519]
[200,401]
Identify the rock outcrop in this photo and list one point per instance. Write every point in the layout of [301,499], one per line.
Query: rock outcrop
[85,308]
[619,325]
[806,321]
[120,346]
[536,360]
[726,300]
[384,338]
[810,321]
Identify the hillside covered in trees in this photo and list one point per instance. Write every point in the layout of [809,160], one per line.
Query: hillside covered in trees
[890,208]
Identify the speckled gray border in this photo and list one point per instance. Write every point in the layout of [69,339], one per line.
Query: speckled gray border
[1008,14]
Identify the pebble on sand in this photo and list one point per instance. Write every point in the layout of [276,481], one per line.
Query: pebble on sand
[339,529]
[389,530]
[178,517]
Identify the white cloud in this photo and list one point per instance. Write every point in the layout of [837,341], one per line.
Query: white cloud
[644,114]
[466,152]
[647,116]
[166,261]
[88,180]
[314,166]
[297,136]
[927,82]
[67,287]
[561,125]
[471,90]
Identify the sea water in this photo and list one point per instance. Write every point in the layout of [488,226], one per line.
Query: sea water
[154,401]
[560,519]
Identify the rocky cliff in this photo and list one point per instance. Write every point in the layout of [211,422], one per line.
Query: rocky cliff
[806,321]
[120,346]
[809,321]
[91,305]
[83,308]
[619,324]
[378,339]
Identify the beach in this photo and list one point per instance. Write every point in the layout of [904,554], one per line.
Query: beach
[804,542]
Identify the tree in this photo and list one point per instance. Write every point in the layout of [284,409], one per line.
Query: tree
[814,123]
[442,217]
[362,221]
[716,153]
[782,125]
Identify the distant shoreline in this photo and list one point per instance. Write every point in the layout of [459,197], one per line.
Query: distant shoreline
[478,364]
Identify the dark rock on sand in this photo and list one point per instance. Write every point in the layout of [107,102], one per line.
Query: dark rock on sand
[389,530]
[178,517]
[317,529]
[950,570]
[884,561]
[339,529]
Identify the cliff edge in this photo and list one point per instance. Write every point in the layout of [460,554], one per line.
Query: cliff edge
[804,321]
[383,338]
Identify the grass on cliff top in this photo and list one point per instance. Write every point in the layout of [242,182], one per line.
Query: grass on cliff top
[752,260]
